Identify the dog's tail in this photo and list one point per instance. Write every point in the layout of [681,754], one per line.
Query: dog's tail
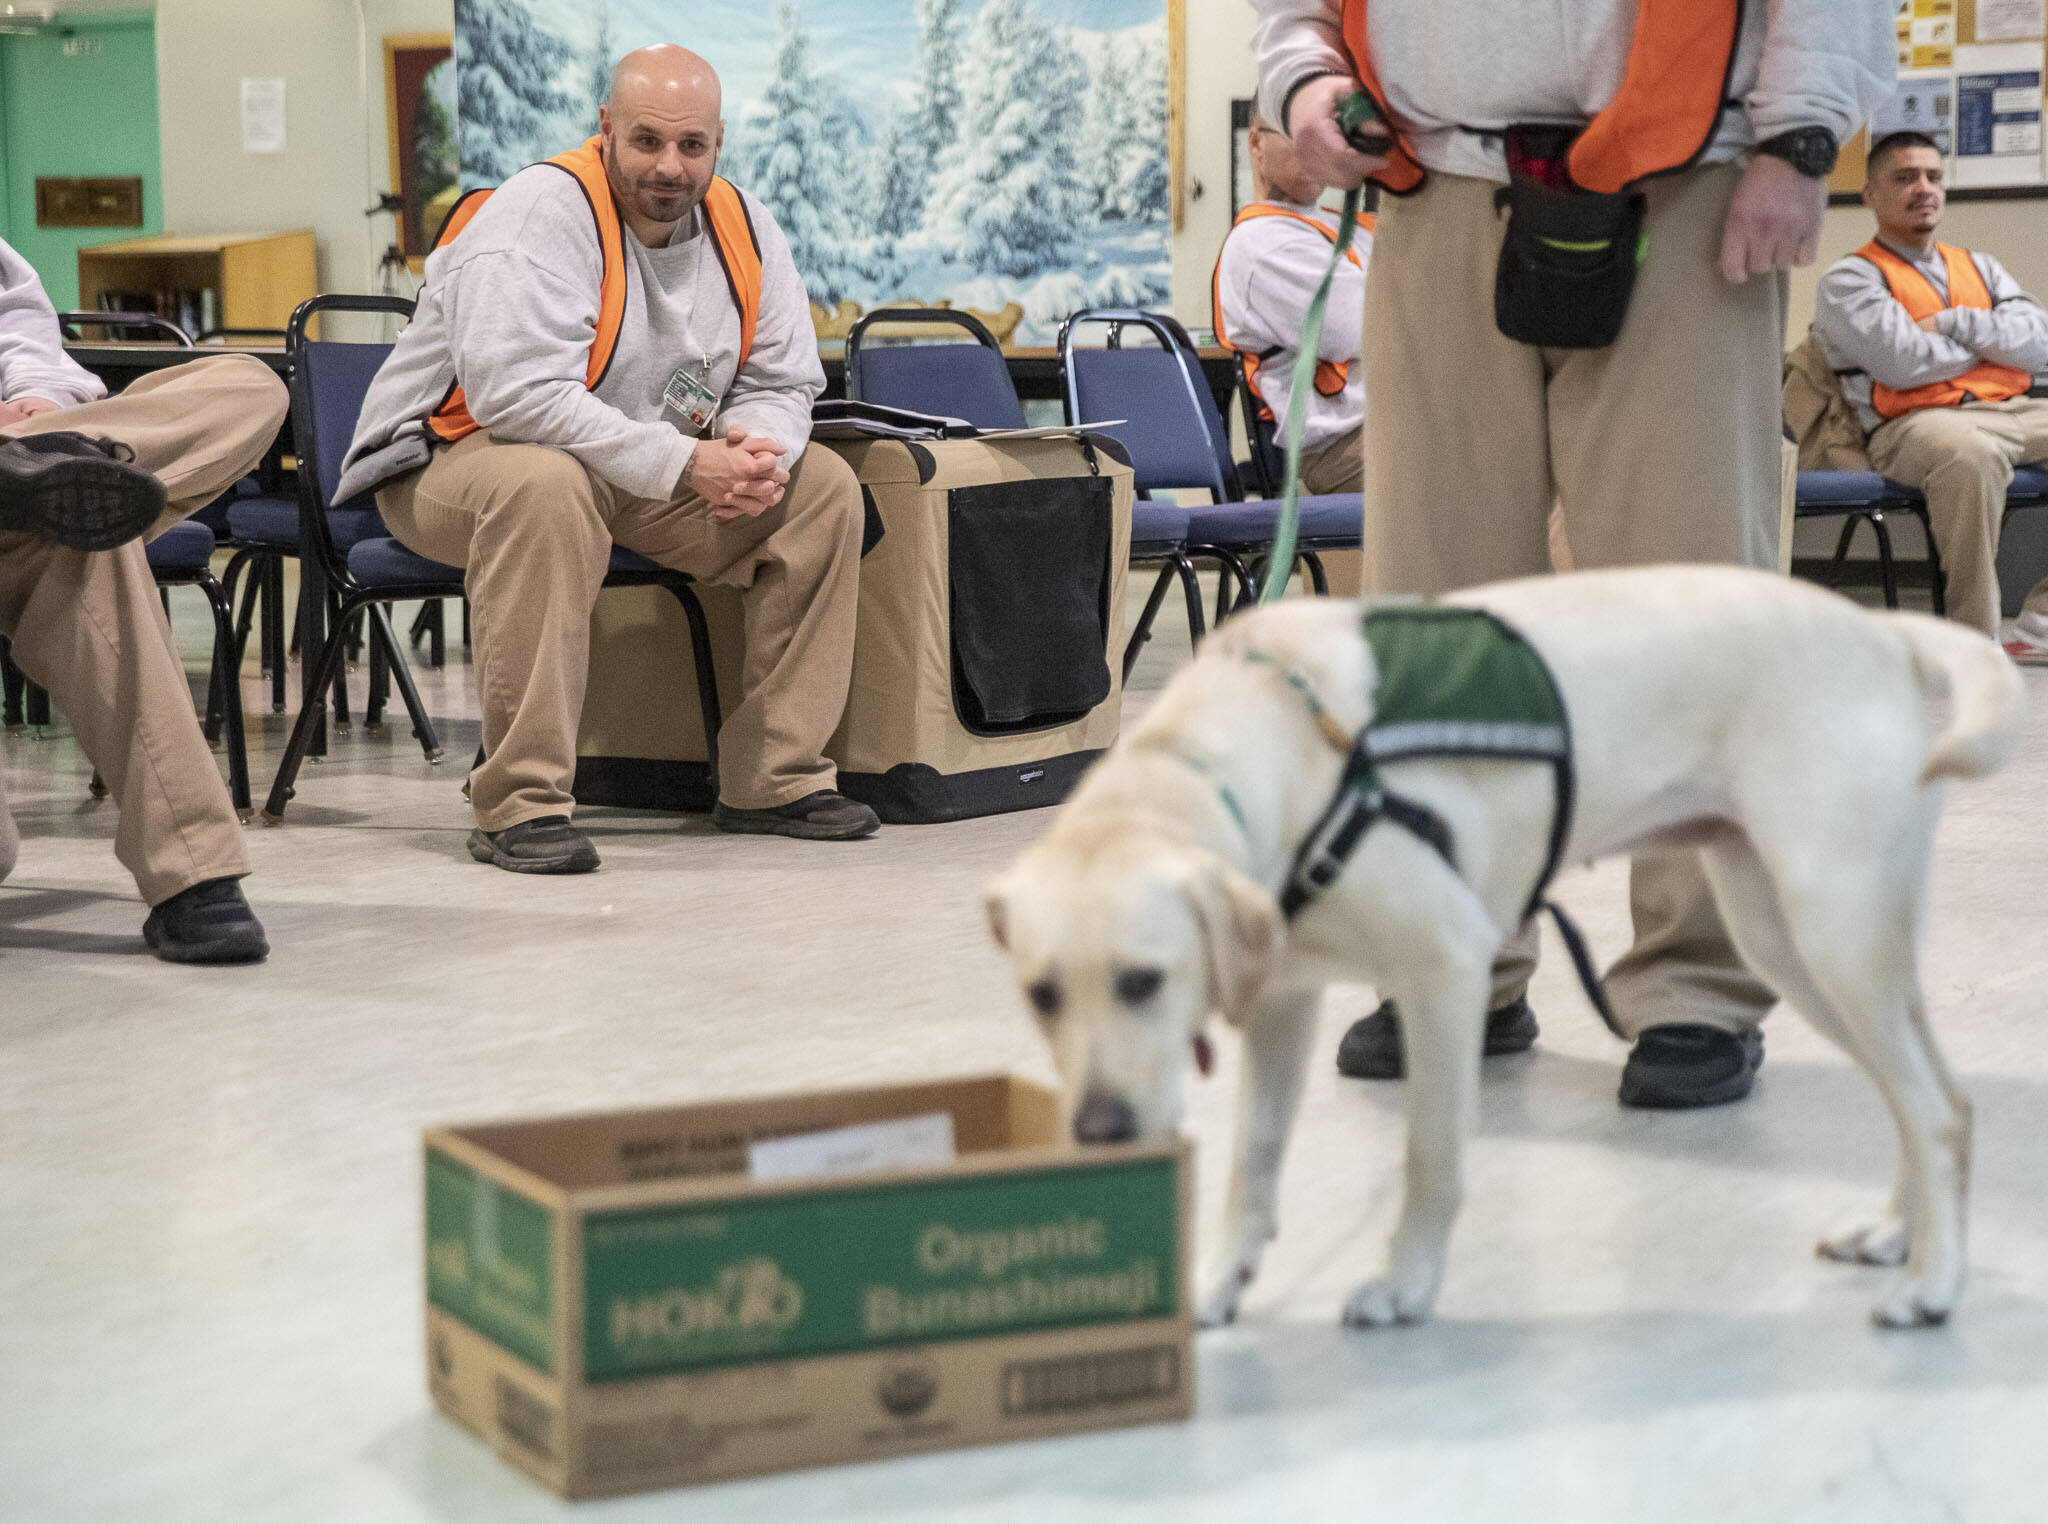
[1987,701]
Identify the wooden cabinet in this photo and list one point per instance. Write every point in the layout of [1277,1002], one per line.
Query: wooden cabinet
[249,280]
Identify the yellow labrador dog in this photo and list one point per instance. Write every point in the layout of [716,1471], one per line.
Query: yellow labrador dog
[1777,727]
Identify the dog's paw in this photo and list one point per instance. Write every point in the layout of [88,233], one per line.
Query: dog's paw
[1914,1304]
[1381,1304]
[1882,1243]
[1219,1308]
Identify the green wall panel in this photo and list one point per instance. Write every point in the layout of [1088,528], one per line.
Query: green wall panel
[90,111]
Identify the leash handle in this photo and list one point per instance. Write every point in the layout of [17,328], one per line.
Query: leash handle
[1280,561]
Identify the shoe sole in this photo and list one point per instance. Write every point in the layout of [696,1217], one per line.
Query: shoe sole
[484,851]
[801,830]
[216,950]
[81,504]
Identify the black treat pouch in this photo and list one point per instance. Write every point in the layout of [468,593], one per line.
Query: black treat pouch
[1569,257]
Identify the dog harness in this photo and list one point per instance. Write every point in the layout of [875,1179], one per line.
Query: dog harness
[1453,682]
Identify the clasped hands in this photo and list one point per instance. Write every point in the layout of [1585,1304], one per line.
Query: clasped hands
[1773,222]
[739,476]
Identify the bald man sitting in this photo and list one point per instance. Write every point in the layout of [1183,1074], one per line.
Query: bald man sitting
[616,348]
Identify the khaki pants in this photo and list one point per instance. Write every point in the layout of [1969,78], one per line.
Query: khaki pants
[535,531]
[1962,459]
[1338,466]
[1661,447]
[87,626]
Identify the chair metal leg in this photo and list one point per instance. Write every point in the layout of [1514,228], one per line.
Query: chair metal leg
[1843,541]
[1247,583]
[320,672]
[14,685]
[274,639]
[431,625]
[401,673]
[1143,631]
[707,674]
[309,638]
[225,690]
[1884,560]
[38,705]
[1317,577]
[1191,591]
[380,673]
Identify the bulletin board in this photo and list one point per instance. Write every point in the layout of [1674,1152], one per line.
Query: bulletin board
[1970,77]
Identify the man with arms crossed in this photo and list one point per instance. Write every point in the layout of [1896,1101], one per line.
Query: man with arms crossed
[82,476]
[502,437]
[1272,261]
[1659,445]
[1935,347]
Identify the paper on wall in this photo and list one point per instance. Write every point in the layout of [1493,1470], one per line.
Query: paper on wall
[262,115]
[2011,20]
[1998,115]
[1923,102]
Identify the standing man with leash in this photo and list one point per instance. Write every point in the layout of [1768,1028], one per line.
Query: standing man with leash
[1577,300]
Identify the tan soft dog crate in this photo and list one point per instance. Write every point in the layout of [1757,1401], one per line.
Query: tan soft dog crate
[985,659]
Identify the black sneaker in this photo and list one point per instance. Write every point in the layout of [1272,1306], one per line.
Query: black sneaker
[545,844]
[76,491]
[1678,1067]
[208,923]
[827,815]
[1372,1048]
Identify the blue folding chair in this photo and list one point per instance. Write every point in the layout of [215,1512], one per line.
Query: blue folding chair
[329,382]
[966,381]
[1176,438]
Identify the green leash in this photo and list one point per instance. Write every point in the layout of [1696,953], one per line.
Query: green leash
[1280,563]
[1355,115]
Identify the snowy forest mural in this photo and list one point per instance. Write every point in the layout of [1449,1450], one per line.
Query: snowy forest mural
[981,151]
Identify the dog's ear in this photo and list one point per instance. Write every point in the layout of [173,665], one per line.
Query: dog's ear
[995,901]
[1242,933]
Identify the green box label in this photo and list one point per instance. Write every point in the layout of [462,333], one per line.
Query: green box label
[490,1260]
[679,1288]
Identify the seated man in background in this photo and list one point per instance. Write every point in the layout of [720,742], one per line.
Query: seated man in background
[1272,260]
[618,349]
[80,607]
[1935,347]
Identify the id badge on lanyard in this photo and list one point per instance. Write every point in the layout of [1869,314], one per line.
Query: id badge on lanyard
[689,393]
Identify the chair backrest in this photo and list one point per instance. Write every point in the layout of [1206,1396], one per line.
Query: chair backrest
[329,381]
[139,325]
[970,381]
[1158,393]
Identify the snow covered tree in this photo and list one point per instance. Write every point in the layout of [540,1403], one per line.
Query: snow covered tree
[798,145]
[1008,194]
[510,101]
[897,179]
[601,62]
[1144,185]
[1105,130]
[936,120]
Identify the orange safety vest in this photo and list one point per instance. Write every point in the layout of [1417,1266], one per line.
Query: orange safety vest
[1331,375]
[1916,293]
[1661,119]
[732,235]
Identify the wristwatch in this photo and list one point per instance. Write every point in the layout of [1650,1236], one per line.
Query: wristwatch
[1810,150]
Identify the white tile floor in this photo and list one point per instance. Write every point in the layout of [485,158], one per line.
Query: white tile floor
[209,1265]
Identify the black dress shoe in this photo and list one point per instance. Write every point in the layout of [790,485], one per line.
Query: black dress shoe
[545,844]
[1678,1067]
[827,815]
[1372,1048]
[208,923]
[76,491]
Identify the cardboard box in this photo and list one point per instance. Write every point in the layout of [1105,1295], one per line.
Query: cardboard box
[614,1304]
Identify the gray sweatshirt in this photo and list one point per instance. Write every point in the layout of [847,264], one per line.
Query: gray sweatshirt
[1866,335]
[1456,72]
[32,358]
[511,306]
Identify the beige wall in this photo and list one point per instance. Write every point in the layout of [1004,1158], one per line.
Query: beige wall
[1219,69]
[331,57]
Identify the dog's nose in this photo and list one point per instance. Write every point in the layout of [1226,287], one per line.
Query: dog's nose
[1105,1119]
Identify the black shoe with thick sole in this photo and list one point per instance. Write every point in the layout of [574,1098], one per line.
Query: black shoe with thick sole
[76,491]
[208,923]
[827,815]
[1676,1068]
[545,844]
[1372,1048]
